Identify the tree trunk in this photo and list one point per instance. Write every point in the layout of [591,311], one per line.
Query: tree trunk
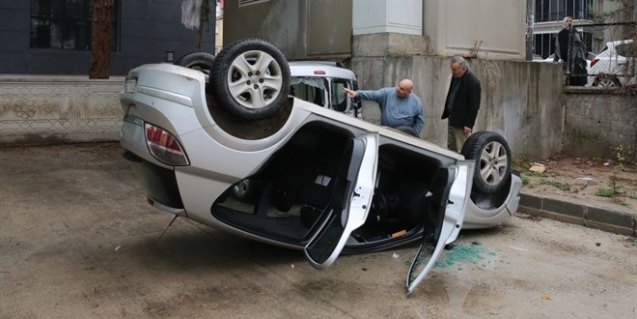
[101,39]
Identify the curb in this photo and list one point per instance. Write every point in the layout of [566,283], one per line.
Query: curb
[568,211]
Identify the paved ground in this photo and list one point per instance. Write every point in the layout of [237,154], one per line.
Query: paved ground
[76,234]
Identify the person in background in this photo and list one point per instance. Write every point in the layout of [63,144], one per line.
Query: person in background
[398,106]
[462,103]
[578,72]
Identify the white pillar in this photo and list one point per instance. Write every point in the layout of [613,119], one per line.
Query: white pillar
[387,16]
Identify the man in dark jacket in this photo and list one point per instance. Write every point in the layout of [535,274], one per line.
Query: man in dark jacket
[462,104]
[570,37]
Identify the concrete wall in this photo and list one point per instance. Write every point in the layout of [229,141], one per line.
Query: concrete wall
[146,30]
[521,100]
[42,110]
[600,125]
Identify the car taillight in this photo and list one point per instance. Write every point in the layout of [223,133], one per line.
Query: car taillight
[164,146]
[593,62]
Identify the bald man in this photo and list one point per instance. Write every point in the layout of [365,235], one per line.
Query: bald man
[398,106]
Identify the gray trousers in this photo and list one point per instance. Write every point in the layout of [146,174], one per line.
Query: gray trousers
[456,138]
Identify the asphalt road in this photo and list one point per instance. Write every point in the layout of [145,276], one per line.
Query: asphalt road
[76,237]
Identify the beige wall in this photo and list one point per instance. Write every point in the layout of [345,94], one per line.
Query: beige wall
[305,28]
[497,29]
[299,28]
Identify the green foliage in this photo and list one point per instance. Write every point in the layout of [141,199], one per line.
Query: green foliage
[611,192]
[561,186]
[606,192]
[536,174]
[525,180]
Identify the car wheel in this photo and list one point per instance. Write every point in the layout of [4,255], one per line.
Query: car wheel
[250,79]
[606,81]
[408,130]
[492,156]
[201,61]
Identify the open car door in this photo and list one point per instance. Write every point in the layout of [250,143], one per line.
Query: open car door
[351,198]
[447,202]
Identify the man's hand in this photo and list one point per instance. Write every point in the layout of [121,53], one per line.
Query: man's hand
[467,130]
[349,92]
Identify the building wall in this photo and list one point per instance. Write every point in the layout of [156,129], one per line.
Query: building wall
[147,30]
[301,29]
[304,29]
[491,29]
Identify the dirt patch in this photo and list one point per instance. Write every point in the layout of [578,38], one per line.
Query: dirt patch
[600,182]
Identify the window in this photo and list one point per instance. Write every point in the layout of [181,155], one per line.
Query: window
[339,98]
[311,89]
[556,10]
[65,24]
[626,50]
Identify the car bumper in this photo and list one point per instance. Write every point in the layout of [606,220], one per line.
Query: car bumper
[159,183]
[158,180]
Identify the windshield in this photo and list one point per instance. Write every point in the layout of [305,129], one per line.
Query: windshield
[311,89]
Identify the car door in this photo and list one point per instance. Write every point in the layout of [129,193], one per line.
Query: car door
[450,193]
[352,193]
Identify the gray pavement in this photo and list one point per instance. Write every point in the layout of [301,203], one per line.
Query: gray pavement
[76,237]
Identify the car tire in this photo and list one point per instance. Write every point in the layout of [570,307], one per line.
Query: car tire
[201,61]
[244,85]
[408,130]
[492,156]
[606,81]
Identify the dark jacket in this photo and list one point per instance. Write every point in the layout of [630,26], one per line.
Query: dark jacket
[465,103]
[561,45]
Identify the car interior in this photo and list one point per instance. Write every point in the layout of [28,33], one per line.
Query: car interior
[308,181]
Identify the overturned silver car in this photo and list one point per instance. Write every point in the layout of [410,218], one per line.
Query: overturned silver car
[231,149]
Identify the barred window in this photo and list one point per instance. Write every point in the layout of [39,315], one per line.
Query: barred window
[556,10]
[65,24]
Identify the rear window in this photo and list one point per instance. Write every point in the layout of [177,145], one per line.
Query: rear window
[626,50]
[311,89]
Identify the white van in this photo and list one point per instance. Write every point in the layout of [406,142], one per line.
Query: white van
[322,83]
